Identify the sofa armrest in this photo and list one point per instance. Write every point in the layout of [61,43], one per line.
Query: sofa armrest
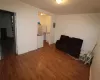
[57,41]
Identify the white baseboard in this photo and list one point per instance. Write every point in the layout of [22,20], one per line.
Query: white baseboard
[90,75]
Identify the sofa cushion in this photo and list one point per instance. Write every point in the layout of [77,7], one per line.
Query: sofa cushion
[74,45]
[76,41]
[64,38]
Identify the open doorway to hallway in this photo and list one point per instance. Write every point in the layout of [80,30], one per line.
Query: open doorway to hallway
[44,28]
[7,33]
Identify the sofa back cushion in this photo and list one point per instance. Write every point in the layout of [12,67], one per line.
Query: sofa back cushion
[64,38]
[75,45]
[76,41]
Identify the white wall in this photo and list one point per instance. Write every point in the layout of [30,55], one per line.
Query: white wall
[26,23]
[52,34]
[83,26]
[95,67]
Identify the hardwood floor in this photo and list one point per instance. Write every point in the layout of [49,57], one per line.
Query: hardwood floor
[46,63]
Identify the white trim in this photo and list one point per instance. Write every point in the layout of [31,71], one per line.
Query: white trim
[15,32]
[90,77]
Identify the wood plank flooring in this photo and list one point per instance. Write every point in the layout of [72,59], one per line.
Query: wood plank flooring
[46,63]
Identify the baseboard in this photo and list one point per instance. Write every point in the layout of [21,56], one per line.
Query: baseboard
[90,77]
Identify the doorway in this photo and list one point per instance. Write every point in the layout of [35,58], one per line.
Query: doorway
[7,34]
[44,27]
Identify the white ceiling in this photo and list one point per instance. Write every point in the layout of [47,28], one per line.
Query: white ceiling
[67,7]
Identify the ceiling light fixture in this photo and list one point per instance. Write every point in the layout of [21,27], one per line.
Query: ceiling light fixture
[59,1]
[42,14]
